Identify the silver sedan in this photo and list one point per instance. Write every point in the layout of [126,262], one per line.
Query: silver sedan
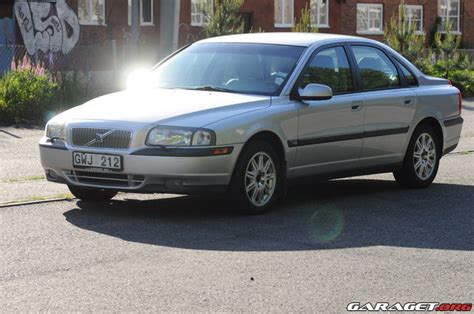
[246,114]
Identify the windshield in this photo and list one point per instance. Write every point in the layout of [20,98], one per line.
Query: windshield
[229,67]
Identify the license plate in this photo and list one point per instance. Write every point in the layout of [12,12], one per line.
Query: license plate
[100,161]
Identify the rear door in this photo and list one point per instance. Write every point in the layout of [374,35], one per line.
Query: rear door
[330,131]
[389,104]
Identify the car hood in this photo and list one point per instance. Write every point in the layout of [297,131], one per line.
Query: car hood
[166,106]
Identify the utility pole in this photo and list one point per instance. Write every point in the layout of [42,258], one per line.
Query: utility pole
[169,26]
[135,27]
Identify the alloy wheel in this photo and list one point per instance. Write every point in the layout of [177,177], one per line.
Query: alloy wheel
[260,179]
[424,156]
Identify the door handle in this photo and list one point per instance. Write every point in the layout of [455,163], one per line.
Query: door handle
[408,102]
[356,106]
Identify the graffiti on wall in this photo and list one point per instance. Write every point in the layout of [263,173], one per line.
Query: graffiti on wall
[47,26]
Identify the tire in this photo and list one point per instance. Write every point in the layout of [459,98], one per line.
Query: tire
[257,185]
[421,162]
[91,195]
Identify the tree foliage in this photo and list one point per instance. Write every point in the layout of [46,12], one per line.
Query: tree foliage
[224,18]
[304,24]
[448,44]
[401,35]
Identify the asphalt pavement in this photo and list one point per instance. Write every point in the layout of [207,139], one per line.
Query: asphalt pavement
[361,240]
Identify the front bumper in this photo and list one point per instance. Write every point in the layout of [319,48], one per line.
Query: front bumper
[149,172]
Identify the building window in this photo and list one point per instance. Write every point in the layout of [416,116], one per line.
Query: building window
[370,18]
[198,8]
[91,12]
[449,12]
[146,12]
[284,13]
[319,13]
[414,16]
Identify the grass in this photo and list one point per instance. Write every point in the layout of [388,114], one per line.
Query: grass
[24,179]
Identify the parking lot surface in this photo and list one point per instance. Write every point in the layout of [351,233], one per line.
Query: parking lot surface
[330,243]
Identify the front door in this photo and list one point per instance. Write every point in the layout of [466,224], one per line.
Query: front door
[330,131]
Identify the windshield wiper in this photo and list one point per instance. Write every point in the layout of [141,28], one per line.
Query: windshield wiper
[212,89]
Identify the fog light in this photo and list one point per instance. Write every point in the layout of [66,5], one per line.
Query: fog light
[51,174]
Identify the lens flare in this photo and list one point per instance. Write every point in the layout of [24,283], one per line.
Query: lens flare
[49,115]
[326,224]
[139,79]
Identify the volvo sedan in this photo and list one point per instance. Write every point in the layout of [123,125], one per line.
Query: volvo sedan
[245,114]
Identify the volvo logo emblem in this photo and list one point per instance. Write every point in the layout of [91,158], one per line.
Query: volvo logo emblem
[99,138]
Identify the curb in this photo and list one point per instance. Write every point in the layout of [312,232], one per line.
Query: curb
[463,152]
[26,203]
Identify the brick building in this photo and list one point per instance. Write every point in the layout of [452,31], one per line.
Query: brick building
[86,23]
[366,18]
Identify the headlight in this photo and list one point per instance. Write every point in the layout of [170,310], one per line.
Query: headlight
[55,130]
[171,136]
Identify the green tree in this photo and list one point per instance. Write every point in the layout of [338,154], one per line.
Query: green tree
[224,18]
[448,43]
[401,35]
[304,24]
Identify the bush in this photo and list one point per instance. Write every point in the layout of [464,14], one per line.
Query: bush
[26,94]
[461,78]
[73,89]
[461,73]
[464,80]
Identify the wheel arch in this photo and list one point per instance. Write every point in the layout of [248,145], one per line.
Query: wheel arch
[436,125]
[274,140]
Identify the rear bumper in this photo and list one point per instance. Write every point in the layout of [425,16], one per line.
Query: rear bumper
[149,171]
[452,133]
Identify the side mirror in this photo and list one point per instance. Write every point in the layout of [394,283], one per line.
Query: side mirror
[314,92]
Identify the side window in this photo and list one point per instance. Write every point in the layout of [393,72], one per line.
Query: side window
[330,67]
[412,81]
[376,69]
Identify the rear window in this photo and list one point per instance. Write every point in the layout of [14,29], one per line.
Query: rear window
[412,81]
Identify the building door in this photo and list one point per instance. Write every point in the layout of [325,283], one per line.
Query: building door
[247,18]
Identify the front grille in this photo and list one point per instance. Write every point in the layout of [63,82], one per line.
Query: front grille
[100,138]
[105,179]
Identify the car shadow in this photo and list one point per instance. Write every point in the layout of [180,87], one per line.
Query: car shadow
[326,215]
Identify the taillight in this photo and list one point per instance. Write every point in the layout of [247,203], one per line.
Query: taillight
[460,103]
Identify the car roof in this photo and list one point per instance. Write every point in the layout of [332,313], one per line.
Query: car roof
[292,39]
